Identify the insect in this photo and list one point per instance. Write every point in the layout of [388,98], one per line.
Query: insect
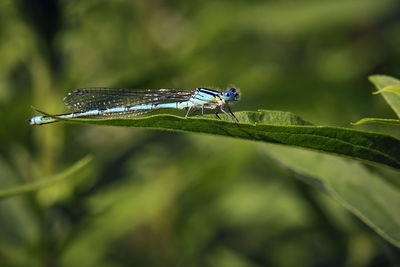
[100,102]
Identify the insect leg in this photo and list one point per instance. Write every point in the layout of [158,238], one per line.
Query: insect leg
[188,112]
[229,108]
[216,114]
[226,113]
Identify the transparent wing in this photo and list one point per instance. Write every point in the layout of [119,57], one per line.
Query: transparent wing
[101,98]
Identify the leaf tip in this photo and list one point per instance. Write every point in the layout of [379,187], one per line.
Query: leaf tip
[356,123]
[377,92]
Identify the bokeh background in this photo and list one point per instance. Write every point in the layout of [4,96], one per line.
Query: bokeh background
[155,198]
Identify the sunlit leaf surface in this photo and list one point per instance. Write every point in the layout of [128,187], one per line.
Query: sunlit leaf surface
[276,127]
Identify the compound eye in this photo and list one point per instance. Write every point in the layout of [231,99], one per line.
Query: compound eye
[232,90]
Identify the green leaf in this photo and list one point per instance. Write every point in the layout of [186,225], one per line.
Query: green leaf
[367,195]
[391,88]
[377,120]
[30,187]
[275,127]
[381,82]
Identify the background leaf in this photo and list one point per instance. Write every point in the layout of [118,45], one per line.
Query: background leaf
[48,181]
[365,194]
[383,81]
[377,120]
[391,88]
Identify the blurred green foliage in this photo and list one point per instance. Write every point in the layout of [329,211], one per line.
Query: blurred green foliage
[165,199]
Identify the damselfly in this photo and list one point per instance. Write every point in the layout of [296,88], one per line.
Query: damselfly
[123,103]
